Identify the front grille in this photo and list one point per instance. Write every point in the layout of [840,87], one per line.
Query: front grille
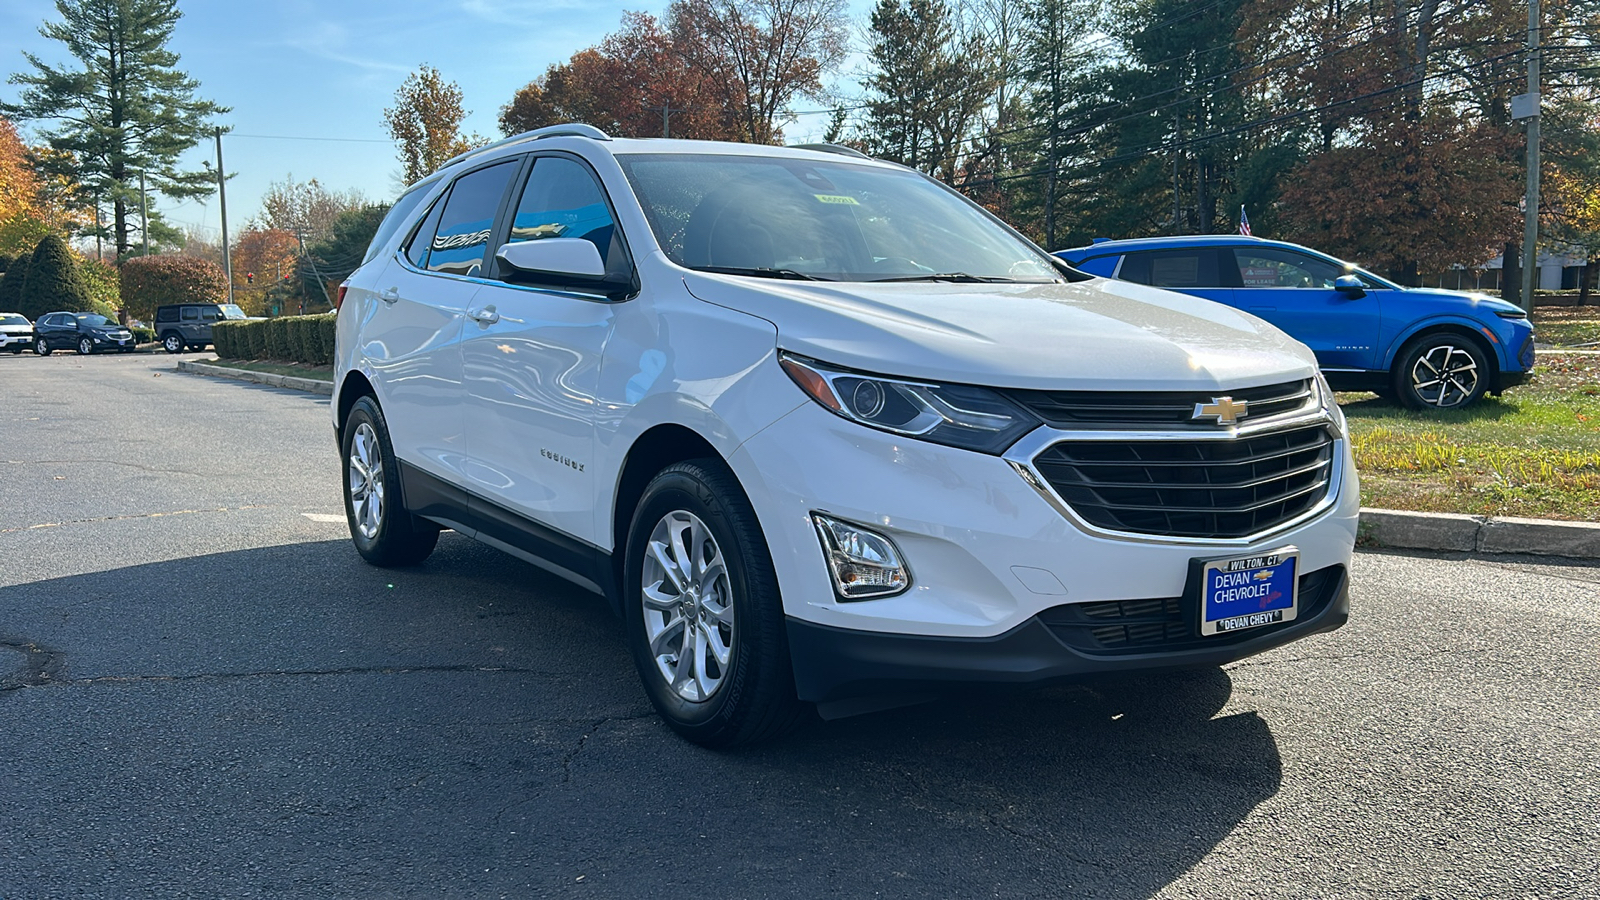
[1120,627]
[1192,488]
[1122,409]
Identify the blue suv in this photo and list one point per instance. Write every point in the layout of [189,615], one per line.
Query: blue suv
[1426,348]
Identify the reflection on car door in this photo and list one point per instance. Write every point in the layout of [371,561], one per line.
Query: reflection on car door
[531,359]
[1294,291]
[422,296]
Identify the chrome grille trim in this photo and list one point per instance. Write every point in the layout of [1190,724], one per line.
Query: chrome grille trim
[1167,410]
[1021,458]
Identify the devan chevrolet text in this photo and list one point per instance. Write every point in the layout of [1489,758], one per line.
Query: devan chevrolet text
[825,433]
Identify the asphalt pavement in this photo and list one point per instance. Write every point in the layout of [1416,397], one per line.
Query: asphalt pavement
[205,692]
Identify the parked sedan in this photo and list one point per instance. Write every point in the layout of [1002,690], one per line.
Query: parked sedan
[16,332]
[1428,349]
[85,332]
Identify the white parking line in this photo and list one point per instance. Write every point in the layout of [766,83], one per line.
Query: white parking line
[325,518]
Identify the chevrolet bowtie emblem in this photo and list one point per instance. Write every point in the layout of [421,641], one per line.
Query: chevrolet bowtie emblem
[1226,410]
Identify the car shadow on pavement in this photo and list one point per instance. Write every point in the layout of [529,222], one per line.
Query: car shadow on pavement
[289,720]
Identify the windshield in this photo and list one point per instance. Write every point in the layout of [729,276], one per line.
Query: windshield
[794,218]
[231,311]
[96,321]
[13,320]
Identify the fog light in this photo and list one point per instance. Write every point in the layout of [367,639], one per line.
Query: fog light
[865,565]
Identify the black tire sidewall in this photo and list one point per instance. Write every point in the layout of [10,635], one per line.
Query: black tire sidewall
[686,486]
[1406,393]
[41,347]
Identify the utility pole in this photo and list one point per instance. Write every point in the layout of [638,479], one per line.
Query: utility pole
[666,111]
[1527,107]
[144,214]
[222,197]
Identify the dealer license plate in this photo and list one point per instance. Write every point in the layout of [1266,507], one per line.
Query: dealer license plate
[1249,591]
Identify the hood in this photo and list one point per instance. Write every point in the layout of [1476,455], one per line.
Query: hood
[1466,300]
[1091,335]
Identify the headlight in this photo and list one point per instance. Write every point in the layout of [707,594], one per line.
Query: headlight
[971,418]
[1330,405]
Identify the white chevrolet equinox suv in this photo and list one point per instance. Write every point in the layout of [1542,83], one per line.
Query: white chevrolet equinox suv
[825,433]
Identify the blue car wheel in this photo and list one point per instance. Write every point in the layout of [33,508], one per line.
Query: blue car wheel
[1442,371]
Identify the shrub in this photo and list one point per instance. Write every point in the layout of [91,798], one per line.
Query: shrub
[141,334]
[103,283]
[11,285]
[256,338]
[323,328]
[298,326]
[5,262]
[278,339]
[152,281]
[227,338]
[53,281]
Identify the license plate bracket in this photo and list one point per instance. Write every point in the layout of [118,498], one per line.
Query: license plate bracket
[1239,593]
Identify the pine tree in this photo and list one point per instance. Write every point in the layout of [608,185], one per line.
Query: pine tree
[129,109]
[53,282]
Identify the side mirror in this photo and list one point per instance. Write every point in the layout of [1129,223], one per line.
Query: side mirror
[1350,285]
[562,259]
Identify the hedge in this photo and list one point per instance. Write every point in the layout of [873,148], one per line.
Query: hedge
[301,339]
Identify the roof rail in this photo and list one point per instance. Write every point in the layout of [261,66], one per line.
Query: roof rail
[570,129]
[831,148]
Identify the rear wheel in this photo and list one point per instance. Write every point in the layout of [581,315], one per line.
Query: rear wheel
[703,612]
[384,531]
[172,342]
[1442,371]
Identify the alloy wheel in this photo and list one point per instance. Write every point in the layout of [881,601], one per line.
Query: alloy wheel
[1445,376]
[688,606]
[365,472]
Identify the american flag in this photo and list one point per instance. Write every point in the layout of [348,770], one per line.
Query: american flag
[1244,223]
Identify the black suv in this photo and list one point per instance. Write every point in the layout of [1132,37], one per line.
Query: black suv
[189,324]
[85,332]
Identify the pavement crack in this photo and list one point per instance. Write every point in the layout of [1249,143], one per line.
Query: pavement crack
[296,673]
[155,515]
[596,725]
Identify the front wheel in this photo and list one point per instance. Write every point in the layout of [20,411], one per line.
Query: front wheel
[1442,371]
[172,342]
[384,531]
[85,346]
[41,347]
[704,615]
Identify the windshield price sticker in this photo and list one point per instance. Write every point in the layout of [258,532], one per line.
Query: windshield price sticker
[1249,591]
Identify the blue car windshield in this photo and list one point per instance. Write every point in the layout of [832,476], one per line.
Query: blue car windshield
[816,219]
[96,321]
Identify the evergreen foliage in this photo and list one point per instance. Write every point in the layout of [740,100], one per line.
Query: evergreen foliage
[53,281]
[11,285]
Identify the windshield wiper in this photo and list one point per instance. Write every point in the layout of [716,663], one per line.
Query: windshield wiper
[958,277]
[761,272]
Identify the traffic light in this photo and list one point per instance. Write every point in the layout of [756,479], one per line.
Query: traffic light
[249,278]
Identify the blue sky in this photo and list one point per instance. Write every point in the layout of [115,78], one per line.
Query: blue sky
[301,69]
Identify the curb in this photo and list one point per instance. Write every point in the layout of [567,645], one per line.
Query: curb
[292,382]
[1478,534]
[1387,528]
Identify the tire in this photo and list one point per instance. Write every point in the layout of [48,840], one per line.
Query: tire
[41,347]
[746,693]
[85,347]
[384,531]
[172,342]
[1441,371]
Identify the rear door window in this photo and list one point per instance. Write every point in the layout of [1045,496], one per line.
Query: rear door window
[191,313]
[1190,267]
[467,219]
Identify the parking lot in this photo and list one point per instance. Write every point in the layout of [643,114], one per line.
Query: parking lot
[205,692]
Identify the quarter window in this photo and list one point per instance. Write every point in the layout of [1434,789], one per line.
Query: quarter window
[561,199]
[462,236]
[417,250]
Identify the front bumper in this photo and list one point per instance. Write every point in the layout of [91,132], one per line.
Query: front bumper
[836,664]
[20,339]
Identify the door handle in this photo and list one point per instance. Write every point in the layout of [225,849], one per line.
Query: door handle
[485,316]
[389,294]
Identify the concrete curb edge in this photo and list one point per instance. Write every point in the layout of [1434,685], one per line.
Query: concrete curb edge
[1388,528]
[292,382]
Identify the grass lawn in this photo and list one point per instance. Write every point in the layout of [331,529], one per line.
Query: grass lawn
[320,373]
[1567,325]
[1533,452]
